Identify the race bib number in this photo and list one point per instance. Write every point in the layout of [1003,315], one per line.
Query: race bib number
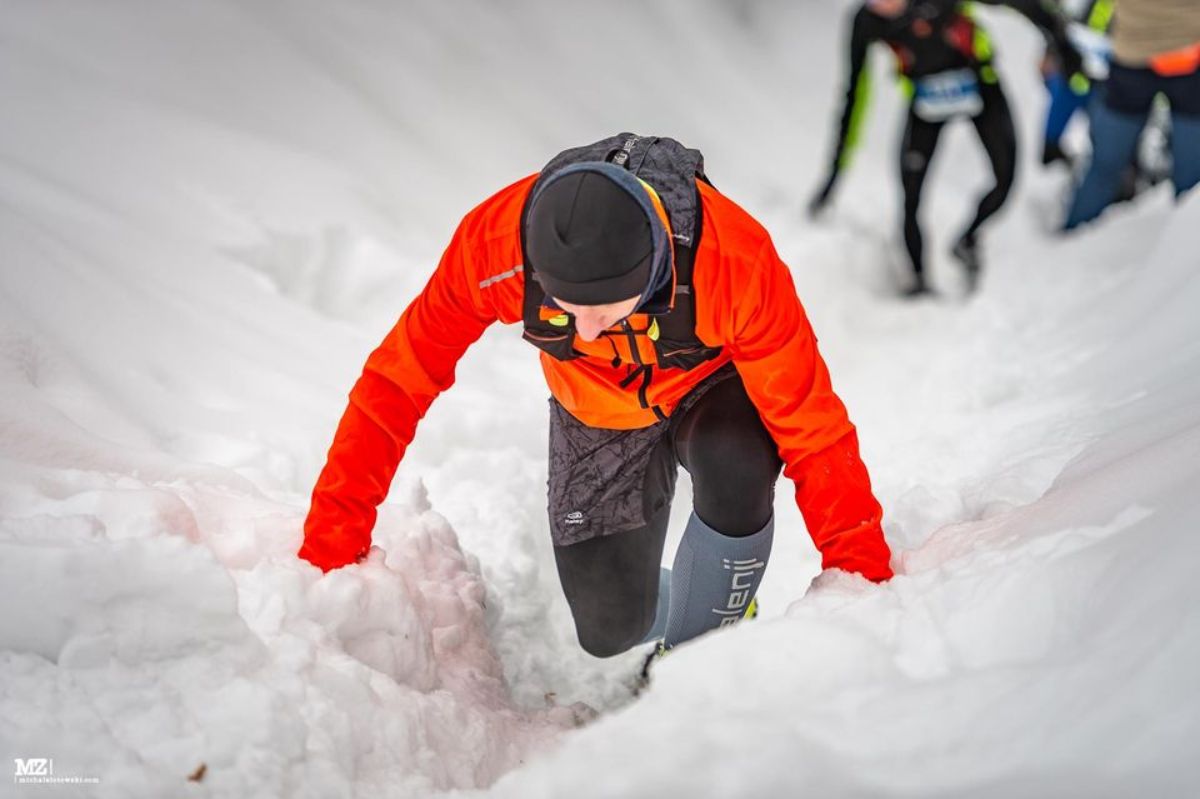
[947,94]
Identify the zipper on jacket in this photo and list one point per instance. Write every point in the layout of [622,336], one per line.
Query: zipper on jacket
[647,371]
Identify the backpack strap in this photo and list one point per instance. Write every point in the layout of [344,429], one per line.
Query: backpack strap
[677,345]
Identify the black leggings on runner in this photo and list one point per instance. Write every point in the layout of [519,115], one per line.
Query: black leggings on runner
[611,582]
[994,125]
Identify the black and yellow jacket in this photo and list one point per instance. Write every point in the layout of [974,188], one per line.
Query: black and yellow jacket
[929,37]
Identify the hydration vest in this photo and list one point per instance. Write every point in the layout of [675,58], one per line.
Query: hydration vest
[672,170]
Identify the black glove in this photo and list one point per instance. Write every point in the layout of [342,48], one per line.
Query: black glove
[1068,57]
[821,199]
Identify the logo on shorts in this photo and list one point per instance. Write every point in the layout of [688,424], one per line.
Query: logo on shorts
[574,517]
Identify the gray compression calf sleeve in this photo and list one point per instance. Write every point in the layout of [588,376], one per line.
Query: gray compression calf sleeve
[714,578]
[664,605]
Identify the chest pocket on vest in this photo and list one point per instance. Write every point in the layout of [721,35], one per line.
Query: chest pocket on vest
[555,334]
[682,354]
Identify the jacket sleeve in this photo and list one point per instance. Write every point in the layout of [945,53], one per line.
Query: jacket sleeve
[400,380]
[857,96]
[1040,13]
[775,352]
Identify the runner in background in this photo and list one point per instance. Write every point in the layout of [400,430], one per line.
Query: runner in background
[1087,27]
[944,58]
[1156,51]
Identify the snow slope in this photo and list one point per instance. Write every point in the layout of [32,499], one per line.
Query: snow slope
[212,212]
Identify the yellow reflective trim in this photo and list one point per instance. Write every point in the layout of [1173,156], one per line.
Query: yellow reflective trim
[559,321]
[1101,16]
[982,44]
[659,208]
[858,113]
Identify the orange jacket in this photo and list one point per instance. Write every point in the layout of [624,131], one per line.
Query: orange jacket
[745,303]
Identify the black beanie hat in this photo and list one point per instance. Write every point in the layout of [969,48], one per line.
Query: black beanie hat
[592,235]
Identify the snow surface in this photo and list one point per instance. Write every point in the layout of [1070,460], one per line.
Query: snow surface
[211,212]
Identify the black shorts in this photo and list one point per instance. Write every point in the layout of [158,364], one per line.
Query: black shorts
[1131,90]
[608,481]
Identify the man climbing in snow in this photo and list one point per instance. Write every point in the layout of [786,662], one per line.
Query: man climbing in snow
[670,332]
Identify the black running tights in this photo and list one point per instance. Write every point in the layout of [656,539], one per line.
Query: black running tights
[611,582]
[994,125]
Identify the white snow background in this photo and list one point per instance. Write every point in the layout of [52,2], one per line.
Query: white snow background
[211,212]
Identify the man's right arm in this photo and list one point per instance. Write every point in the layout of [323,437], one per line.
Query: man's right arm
[1049,19]
[854,106]
[400,380]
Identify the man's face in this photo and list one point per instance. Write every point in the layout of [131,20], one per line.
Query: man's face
[592,320]
[888,8]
